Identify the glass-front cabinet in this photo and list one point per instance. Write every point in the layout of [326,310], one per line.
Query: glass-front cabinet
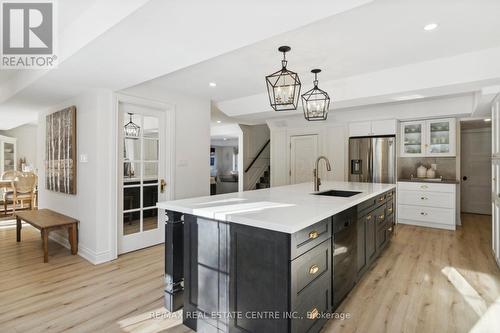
[8,154]
[436,137]
[413,139]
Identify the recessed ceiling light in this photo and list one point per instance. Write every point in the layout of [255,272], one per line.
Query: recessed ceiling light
[218,121]
[225,139]
[487,120]
[430,26]
[212,84]
[407,97]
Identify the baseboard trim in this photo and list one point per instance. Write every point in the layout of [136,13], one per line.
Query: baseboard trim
[83,251]
[427,224]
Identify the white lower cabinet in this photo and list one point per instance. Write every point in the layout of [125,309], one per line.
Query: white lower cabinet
[427,205]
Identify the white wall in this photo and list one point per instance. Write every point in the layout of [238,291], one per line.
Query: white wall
[192,139]
[26,136]
[93,204]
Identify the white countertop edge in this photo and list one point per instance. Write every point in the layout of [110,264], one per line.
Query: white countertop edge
[244,220]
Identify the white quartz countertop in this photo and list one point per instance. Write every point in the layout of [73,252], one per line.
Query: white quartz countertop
[284,208]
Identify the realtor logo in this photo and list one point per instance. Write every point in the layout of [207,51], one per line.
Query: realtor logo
[28,35]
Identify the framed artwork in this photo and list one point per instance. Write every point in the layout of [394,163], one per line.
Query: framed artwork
[60,151]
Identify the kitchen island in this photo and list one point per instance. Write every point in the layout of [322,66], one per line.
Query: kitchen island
[272,260]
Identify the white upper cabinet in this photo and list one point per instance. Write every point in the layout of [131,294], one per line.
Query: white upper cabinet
[413,138]
[436,137]
[371,128]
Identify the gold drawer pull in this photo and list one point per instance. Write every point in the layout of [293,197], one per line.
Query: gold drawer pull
[381,199]
[369,217]
[389,210]
[313,269]
[313,234]
[313,314]
[381,217]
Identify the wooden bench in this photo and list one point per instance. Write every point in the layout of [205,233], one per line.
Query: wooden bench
[47,220]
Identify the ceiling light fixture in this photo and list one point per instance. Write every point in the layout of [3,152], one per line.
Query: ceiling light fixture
[407,97]
[218,121]
[283,86]
[131,130]
[212,84]
[315,102]
[430,26]
[487,120]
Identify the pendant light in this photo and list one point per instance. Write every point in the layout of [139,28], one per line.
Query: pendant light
[315,102]
[131,130]
[283,86]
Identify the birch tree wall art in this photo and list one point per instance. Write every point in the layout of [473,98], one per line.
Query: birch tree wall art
[60,151]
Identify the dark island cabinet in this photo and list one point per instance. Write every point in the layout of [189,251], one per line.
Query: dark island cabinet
[230,277]
[375,227]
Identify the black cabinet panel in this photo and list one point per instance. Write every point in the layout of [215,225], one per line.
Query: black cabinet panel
[259,277]
[370,237]
[309,267]
[205,278]
[316,300]
[306,239]
[174,261]
[361,244]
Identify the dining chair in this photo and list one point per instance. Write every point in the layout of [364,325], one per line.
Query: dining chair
[8,175]
[24,186]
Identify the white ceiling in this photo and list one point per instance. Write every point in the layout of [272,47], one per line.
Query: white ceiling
[380,35]
[125,43]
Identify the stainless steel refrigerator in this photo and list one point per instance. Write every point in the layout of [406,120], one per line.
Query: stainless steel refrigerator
[372,159]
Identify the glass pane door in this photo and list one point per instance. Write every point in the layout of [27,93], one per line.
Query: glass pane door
[439,137]
[412,138]
[140,174]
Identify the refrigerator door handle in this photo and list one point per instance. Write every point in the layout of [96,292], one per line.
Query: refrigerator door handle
[370,163]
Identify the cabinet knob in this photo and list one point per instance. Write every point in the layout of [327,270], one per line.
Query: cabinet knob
[389,210]
[423,214]
[313,269]
[313,234]
[313,314]
[423,198]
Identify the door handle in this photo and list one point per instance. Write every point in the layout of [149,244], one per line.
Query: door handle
[162,185]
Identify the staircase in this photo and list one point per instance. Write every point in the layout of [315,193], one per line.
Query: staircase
[265,180]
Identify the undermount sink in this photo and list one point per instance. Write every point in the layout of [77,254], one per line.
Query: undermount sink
[338,193]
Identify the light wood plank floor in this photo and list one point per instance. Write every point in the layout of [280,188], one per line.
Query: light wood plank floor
[428,280]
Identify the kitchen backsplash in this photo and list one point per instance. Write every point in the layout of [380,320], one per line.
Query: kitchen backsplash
[446,166]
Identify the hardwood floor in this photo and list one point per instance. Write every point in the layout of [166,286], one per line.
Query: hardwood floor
[428,280]
[407,290]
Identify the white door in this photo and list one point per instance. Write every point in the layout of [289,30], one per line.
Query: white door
[303,154]
[142,177]
[476,171]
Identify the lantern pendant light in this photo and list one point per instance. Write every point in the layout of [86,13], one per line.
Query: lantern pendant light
[283,86]
[131,130]
[315,102]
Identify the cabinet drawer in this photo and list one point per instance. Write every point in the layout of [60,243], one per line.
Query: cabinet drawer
[312,304]
[429,199]
[427,214]
[307,238]
[390,207]
[415,186]
[309,267]
[379,215]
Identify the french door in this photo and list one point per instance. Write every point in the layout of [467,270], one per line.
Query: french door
[142,167]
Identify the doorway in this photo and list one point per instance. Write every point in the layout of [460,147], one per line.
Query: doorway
[224,164]
[144,174]
[476,167]
[303,154]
